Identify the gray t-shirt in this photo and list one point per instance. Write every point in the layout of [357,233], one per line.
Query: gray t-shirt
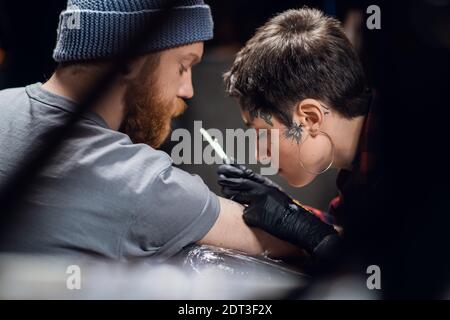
[101,195]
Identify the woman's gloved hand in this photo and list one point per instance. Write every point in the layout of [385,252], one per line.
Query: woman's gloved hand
[241,171]
[269,208]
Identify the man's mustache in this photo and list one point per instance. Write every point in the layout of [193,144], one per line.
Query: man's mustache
[180,108]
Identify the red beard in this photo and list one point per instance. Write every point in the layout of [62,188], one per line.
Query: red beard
[148,116]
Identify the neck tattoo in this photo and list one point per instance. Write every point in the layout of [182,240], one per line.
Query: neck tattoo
[294,132]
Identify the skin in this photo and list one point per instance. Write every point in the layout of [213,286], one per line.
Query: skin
[173,82]
[302,142]
[170,83]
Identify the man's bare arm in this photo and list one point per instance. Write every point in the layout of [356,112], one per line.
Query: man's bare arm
[231,232]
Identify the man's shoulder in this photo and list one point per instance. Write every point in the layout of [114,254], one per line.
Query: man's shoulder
[137,155]
[12,94]
[14,99]
[115,156]
[12,91]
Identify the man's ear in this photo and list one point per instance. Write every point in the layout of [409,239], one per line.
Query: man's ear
[310,115]
[133,68]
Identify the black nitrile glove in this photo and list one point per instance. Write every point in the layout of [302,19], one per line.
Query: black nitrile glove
[274,211]
[241,171]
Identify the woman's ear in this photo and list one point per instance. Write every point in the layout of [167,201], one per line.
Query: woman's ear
[310,115]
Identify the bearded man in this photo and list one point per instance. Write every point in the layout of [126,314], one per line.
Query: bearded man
[109,192]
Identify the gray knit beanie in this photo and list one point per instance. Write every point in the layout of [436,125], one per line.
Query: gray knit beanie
[96,29]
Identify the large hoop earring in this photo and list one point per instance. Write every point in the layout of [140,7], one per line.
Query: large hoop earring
[332,155]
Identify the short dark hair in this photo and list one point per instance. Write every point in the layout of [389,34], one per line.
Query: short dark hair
[298,54]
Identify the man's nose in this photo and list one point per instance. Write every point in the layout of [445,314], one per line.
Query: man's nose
[186,90]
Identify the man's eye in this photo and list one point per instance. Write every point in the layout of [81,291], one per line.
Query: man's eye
[183,69]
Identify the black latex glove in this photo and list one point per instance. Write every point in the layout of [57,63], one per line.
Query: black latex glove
[269,208]
[232,187]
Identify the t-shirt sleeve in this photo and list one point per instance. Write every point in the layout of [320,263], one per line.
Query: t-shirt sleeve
[174,210]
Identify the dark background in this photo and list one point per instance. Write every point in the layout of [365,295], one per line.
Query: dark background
[407,63]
